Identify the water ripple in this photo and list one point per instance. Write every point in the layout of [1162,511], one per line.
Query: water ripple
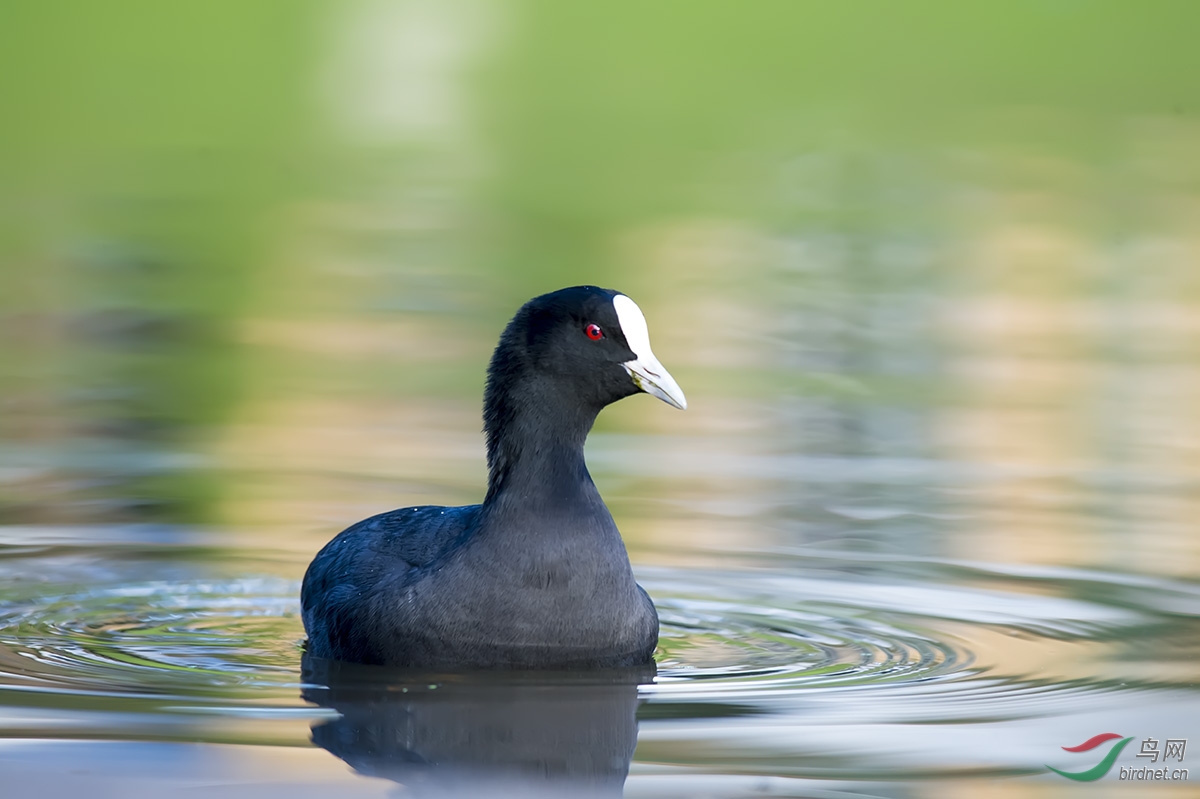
[724,634]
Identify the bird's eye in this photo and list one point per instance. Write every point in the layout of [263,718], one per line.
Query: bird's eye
[594,332]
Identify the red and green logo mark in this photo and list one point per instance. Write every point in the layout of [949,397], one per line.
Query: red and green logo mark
[1100,769]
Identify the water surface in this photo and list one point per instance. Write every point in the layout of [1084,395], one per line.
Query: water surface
[811,671]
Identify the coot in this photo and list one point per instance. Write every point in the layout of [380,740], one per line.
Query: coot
[537,575]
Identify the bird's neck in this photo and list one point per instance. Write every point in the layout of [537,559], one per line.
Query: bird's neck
[535,449]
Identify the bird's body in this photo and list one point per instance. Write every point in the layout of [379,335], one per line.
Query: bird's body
[536,576]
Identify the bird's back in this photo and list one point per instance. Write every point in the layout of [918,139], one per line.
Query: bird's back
[394,548]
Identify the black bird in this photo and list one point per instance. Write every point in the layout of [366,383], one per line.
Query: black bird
[537,576]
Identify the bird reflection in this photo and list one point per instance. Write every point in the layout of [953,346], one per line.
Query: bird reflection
[484,733]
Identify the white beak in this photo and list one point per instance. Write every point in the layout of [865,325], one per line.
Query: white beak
[648,374]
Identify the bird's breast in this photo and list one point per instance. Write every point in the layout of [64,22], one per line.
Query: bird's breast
[546,575]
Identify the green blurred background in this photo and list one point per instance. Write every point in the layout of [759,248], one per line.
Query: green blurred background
[913,264]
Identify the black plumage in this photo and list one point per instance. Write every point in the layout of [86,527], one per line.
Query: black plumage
[536,576]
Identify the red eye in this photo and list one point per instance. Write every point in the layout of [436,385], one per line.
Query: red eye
[594,332]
